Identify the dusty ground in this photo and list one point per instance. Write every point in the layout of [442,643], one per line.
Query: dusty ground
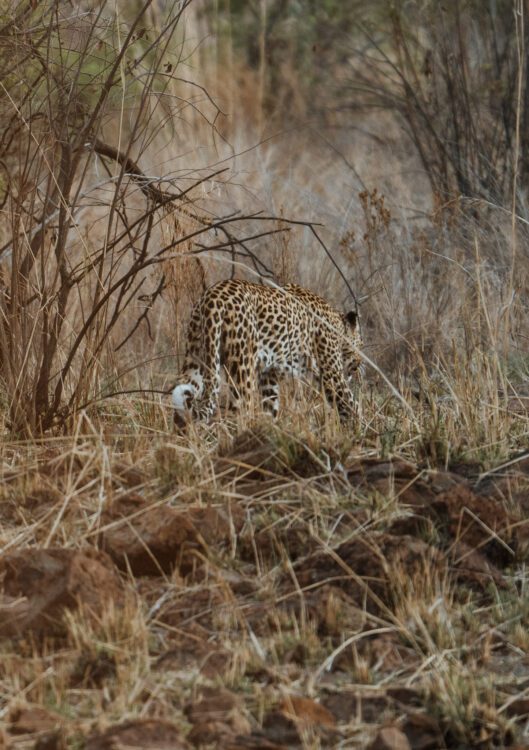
[259,589]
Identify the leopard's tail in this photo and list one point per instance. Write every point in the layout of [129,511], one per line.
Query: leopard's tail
[197,390]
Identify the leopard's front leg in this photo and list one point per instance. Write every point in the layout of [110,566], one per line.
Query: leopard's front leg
[338,393]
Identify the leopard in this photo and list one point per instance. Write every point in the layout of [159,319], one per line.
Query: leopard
[260,334]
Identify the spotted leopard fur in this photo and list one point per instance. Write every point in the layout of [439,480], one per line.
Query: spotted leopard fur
[259,334]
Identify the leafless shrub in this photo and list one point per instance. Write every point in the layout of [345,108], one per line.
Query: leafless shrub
[452,73]
[82,99]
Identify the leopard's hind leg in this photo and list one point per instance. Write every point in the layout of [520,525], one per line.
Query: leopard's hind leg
[269,390]
[241,366]
[197,391]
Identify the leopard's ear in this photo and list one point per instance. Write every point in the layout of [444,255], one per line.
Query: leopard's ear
[352,318]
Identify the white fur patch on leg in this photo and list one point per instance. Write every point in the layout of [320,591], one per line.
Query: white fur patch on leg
[197,382]
[182,395]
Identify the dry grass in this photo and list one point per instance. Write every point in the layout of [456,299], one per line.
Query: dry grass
[269,603]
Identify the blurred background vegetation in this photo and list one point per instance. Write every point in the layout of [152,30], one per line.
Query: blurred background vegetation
[449,71]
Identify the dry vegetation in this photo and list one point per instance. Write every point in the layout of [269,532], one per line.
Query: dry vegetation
[250,584]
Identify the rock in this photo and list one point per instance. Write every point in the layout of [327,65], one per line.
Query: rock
[273,543]
[128,475]
[306,712]
[478,521]
[404,695]
[156,539]
[150,540]
[254,741]
[367,470]
[52,741]
[328,607]
[518,708]
[217,524]
[39,723]
[192,653]
[440,481]
[351,705]
[37,586]
[422,731]
[32,720]
[473,569]
[468,470]
[390,738]
[219,720]
[252,456]
[294,717]
[372,559]
[445,499]
[257,453]
[217,714]
[394,478]
[199,605]
[281,729]
[139,734]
